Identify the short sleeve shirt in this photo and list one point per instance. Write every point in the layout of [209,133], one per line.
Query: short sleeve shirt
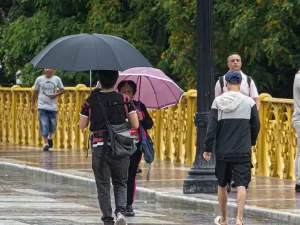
[245,90]
[114,107]
[42,85]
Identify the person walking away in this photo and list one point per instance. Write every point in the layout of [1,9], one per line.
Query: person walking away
[105,165]
[248,87]
[233,126]
[129,88]
[45,89]
[296,125]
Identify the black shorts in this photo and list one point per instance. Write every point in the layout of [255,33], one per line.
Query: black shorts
[241,173]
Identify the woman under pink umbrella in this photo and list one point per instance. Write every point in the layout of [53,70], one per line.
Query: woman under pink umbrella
[129,88]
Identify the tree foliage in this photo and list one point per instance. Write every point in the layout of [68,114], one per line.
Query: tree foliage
[265,33]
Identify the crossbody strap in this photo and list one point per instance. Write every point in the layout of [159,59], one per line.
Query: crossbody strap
[125,98]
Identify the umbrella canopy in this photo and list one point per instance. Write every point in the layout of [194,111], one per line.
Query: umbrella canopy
[154,88]
[85,52]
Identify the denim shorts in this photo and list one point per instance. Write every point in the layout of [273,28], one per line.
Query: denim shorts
[47,122]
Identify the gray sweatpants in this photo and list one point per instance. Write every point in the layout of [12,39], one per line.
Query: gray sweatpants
[106,167]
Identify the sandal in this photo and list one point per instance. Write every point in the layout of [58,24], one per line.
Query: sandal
[217,221]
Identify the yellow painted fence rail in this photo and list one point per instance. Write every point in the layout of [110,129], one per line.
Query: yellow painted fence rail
[174,133]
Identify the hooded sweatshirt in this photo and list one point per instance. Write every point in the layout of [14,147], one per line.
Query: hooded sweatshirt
[233,127]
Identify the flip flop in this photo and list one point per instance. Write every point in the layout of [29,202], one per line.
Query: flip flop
[217,220]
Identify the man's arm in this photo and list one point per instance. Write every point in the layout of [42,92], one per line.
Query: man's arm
[211,131]
[84,116]
[35,93]
[254,94]
[33,99]
[218,90]
[61,89]
[257,102]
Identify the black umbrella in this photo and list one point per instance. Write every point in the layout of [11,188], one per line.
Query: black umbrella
[85,52]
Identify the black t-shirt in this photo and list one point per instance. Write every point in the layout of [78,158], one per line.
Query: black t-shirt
[114,107]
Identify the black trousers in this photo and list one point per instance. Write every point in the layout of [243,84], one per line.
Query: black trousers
[106,167]
[135,159]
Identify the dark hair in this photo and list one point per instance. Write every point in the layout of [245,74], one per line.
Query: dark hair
[131,83]
[234,53]
[107,78]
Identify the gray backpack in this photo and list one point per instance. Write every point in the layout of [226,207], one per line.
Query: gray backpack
[120,136]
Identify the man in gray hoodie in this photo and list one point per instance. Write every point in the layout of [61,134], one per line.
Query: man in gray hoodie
[233,128]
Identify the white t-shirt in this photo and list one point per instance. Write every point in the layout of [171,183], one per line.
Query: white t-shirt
[251,92]
[47,86]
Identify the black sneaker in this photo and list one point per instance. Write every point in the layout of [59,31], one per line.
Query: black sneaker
[297,188]
[109,222]
[139,170]
[129,211]
[46,148]
[50,143]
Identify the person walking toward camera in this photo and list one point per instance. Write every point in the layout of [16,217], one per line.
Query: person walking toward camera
[233,127]
[129,88]
[45,89]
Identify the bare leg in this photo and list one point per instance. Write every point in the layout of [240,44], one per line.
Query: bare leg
[45,139]
[222,197]
[241,199]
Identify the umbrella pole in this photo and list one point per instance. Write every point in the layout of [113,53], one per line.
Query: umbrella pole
[90,81]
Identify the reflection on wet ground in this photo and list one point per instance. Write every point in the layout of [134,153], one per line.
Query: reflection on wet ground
[167,177]
[27,200]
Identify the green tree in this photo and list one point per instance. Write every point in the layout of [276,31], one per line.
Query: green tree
[265,33]
[25,35]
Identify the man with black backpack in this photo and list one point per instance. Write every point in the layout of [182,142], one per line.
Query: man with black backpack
[107,112]
[248,87]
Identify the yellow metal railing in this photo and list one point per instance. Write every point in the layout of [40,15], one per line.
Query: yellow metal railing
[174,133]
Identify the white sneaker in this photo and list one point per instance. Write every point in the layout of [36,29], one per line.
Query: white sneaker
[120,219]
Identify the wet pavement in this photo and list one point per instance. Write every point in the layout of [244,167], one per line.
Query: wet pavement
[28,200]
[166,177]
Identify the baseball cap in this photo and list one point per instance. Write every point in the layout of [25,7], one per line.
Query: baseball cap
[233,77]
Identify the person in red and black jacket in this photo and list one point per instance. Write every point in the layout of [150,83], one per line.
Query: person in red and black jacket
[105,166]
[129,88]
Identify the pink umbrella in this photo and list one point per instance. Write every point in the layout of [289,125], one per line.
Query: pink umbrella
[154,88]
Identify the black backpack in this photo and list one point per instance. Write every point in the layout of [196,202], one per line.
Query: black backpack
[221,81]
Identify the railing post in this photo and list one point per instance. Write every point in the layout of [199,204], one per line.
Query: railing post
[158,128]
[190,150]
[77,109]
[13,114]
[261,147]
